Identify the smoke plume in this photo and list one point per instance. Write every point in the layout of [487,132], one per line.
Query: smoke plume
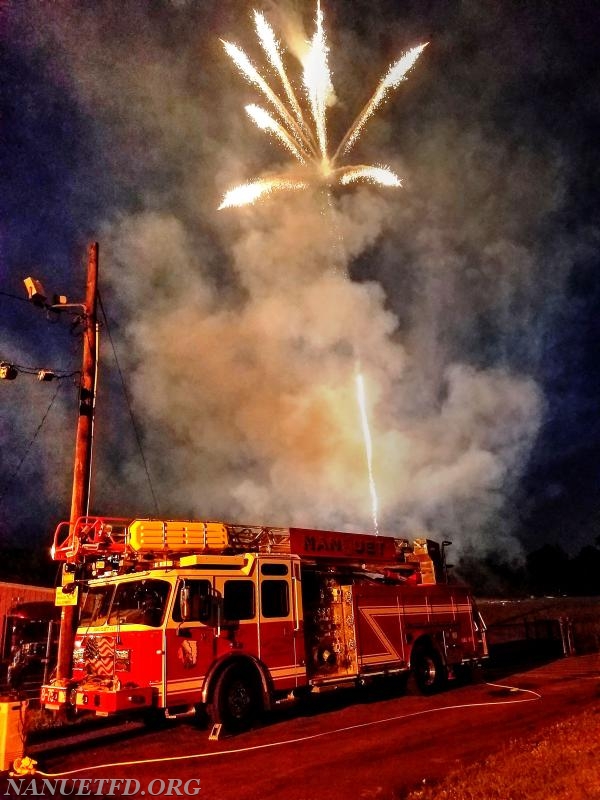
[240,331]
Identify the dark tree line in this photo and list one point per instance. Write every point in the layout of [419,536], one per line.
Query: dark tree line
[546,571]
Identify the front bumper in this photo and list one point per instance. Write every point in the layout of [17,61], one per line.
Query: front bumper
[96,698]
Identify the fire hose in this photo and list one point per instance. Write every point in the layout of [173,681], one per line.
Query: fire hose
[27,766]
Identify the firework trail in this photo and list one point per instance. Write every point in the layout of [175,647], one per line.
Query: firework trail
[364,418]
[303,132]
[395,75]
[270,45]
[249,192]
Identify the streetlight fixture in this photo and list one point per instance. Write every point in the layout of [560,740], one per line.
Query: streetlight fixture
[35,292]
[39,297]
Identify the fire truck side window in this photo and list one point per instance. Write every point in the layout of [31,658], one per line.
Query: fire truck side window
[199,606]
[275,598]
[274,569]
[238,600]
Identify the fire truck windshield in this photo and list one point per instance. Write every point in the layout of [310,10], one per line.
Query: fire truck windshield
[131,602]
[94,611]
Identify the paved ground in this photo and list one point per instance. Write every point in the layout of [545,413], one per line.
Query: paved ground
[350,747]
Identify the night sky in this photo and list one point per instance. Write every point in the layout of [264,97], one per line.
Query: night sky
[469,296]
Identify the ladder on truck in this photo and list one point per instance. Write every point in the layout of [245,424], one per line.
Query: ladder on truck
[92,538]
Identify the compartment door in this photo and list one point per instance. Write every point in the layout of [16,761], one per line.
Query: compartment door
[189,645]
[281,636]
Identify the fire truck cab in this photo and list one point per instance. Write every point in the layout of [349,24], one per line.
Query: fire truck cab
[179,617]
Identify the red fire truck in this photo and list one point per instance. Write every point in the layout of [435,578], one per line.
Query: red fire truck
[177,617]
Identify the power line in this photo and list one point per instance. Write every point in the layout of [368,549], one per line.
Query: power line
[56,374]
[29,446]
[129,406]
[14,297]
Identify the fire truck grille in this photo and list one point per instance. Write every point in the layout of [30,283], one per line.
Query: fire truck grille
[99,655]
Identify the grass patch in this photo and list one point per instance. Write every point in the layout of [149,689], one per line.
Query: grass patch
[561,762]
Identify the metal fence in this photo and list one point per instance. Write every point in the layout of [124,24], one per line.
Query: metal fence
[532,638]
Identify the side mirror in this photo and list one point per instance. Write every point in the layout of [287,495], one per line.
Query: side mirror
[184,603]
[205,611]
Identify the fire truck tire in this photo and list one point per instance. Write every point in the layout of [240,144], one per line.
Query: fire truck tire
[236,700]
[428,673]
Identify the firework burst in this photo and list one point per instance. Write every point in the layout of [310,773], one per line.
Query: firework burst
[300,124]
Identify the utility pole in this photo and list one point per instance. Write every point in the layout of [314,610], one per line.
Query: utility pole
[83,449]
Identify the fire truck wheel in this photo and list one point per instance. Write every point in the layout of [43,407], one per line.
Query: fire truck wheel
[236,700]
[427,670]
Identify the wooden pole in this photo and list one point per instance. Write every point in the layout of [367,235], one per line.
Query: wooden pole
[83,449]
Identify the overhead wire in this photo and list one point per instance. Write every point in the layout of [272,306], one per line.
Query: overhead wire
[25,370]
[17,469]
[58,376]
[129,406]
[14,297]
